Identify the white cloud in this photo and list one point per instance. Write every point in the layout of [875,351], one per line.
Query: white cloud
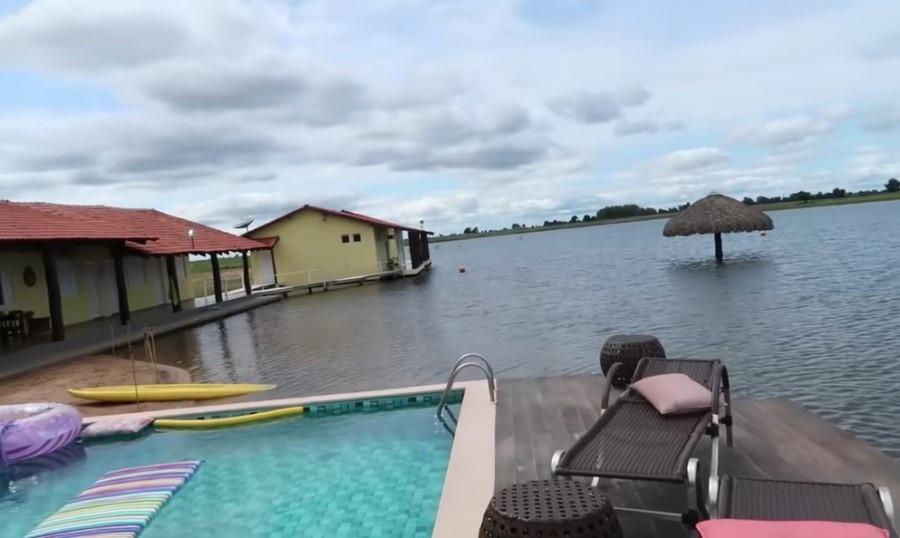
[784,132]
[646,126]
[598,106]
[687,160]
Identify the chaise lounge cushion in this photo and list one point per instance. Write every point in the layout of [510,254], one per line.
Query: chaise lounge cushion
[673,394]
[745,528]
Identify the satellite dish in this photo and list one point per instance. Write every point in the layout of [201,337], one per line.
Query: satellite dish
[245,224]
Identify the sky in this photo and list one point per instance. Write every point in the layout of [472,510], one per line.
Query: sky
[455,112]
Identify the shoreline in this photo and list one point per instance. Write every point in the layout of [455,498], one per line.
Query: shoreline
[778,206]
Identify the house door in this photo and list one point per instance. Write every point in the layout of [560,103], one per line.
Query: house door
[263,261]
[94,283]
[108,290]
[158,267]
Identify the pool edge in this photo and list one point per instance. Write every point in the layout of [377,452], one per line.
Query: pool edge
[469,480]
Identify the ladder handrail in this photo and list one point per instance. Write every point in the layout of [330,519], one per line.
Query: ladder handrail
[461,365]
[480,357]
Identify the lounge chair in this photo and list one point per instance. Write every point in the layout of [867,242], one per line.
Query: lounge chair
[781,500]
[631,440]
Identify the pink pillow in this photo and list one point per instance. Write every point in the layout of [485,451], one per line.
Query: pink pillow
[673,394]
[744,528]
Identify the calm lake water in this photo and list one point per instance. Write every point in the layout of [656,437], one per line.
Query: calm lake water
[810,312]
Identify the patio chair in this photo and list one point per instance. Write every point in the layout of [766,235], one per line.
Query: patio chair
[632,440]
[782,500]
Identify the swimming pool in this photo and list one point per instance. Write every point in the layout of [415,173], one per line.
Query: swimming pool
[376,474]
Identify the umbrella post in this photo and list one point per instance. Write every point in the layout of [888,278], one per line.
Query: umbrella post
[718,239]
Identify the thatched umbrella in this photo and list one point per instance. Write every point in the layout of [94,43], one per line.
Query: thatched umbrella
[717,214]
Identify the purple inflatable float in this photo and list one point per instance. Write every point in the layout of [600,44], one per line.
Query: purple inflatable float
[31,430]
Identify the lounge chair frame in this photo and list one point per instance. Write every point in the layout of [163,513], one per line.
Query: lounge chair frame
[794,500]
[693,427]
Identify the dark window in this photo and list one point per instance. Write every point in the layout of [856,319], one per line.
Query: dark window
[357,238]
[390,236]
[345,238]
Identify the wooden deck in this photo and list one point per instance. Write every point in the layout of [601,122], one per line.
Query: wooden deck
[773,439]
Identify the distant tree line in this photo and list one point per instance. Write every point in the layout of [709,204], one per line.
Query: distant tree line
[893,185]
[634,210]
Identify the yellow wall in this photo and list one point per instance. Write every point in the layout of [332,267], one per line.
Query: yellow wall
[309,248]
[87,283]
[18,296]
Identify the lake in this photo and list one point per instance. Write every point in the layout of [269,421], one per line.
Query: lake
[810,312]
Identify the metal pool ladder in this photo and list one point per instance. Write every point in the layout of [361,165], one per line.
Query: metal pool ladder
[478,361]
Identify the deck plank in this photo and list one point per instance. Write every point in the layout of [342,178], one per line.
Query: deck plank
[773,439]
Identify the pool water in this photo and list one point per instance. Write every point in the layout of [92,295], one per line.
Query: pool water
[359,474]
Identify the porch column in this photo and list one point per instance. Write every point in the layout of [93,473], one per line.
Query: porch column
[54,300]
[246,273]
[121,287]
[274,269]
[174,292]
[217,277]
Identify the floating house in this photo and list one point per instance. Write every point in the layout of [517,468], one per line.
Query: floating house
[66,264]
[313,245]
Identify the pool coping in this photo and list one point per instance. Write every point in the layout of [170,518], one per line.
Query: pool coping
[469,480]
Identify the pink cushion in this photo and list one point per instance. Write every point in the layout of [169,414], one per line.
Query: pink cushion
[743,528]
[672,394]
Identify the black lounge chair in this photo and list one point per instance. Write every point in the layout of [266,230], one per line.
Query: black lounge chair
[632,440]
[781,500]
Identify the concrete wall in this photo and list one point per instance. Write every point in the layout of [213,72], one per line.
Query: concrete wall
[87,283]
[310,248]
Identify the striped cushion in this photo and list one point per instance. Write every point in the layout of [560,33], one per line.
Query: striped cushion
[120,504]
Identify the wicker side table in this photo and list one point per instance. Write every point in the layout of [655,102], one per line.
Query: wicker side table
[628,349]
[550,508]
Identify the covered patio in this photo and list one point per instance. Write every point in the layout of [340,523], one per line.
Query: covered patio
[63,266]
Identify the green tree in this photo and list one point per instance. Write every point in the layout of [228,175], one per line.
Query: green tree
[574,218]
[748,201]
[839,193]
[892,185]
[515,226]
[800,196]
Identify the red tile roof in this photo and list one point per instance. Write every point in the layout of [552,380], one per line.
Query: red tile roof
[267,241]
[145,230]
[342,213]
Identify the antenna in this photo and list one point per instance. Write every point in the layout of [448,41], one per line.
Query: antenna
[245,224]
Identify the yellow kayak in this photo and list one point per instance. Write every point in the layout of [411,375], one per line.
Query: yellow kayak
[166,392]
[199,423]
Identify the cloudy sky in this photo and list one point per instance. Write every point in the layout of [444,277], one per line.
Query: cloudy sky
[458,112]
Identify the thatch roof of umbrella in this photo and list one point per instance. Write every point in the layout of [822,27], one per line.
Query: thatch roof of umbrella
[717,214]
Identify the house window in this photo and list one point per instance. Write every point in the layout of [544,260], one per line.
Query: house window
[345,238]
[357,238]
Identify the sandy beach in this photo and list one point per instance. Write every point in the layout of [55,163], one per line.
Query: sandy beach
[50,383]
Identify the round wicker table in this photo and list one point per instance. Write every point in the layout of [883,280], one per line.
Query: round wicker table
[550,508]
[628,349]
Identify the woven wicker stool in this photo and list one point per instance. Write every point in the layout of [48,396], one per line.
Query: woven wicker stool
[628,349]
[550,508]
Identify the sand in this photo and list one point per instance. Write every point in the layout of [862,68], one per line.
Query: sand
[49,384]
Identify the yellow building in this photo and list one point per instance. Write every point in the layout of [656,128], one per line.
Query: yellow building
[312,245]
[64,264]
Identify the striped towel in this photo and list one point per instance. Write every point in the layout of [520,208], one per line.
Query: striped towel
[120,504]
